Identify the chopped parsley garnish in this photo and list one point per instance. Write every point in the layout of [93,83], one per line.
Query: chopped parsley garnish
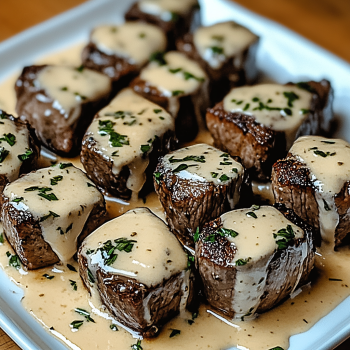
[194,316]
[142,35]
[72,268]
[305,86]
[226,232]
[158,57]
[218,37]
[65,165]
[225,163]
[196,235]
[157,177]
[3,154]
[48,276]
[90,276]
[175,70]
[90,185]
[113,327]
[137,346]
[214,175]
[252,214]
[210,238]
[84,313]
[56,179]
[2,240]
[51,213]
[49,196]
[242,262]
[225,155]
[224,177]
[188,75]
[190,261]
[174,16]
[291,97]
[76,324]
[287,235]
[17,200]
[80,97]
[106,128]
[25,156]
[217,50]
[177,92]
[14,260]
[115,154]
[248,313]
[276,348]
[64,88]
[73,284]
[157,111]
[323,154]
[9,138]
[305,111]
[200,159]
[124,244]
[42,192]
[174,332]
[235,170]
[246,107]
[182,167]
[145,148]
[80,68]
[255,207]
[329,142]
[326,207]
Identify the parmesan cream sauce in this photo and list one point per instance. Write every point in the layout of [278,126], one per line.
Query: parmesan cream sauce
[52,302]
[166,8]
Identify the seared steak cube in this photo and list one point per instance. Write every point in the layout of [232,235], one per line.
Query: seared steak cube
[314,181]
[121,146]
[259,123]
[121,51]
[60,102]
[174,17]
[19,151]
[226,51]
[179,85]
[139,269]
[196,184]
[47,213]
[251,259]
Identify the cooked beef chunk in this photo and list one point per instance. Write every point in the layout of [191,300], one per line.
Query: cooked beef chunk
[314,181]
[179,85]
[260,123]
[226,51]
[196,184]
[140,271]
[47,213]
[122,145]
[19,150]
[252,259]
[175,18]
[121,51]
[60,102]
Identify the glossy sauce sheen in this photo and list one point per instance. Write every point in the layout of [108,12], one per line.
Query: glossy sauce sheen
[139,121]
[135,41]
[165,8]
[221,41]
[329,164]
[11,165]
[270,329]
[247,99]
[69,87]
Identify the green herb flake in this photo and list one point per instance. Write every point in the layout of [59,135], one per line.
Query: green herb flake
[3,154]
[9,138]
[76,324]
[14,260]
[54,181]
[174,332]
[242,262]
[156,111]
[90,185]
[305,111]
[223,178]
[323,154]
[182,167]
[210,238]
[72,268]
[199,159]
[190,261]
[175,70]
[90,276]
[48,276]
[196,235]
[145,148]
[255,207]
[2,240]
[291,97]
[17,200]
[142,35]
[137,346]
[157,177]
[214,175]
[48,196]
[115,154]
[287,235]
[113,327]
[80,68]
[158,57]
[226,232]
[305,86]
[252,214]
[65,165]
[235,170]
[64,88]
[84,313]
[177,92]
[217,50]
[246,107]
[225,163]
[25,156]
[218,37]
[73,284]
[276,348]
[124,244]
[326,207]
[116,140]
[188,75]
[51,213]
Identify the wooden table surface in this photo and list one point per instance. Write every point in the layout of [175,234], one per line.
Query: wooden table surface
[326,22]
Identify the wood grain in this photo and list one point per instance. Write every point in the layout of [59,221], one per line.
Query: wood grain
[326,22]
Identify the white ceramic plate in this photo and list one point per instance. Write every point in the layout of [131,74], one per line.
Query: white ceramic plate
[283,56]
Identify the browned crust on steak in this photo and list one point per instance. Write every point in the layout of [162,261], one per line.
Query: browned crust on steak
[124,297]
[174,29]
[240,135]
[25,236]
[54,132]
[229,75]
[190,204]
[100,169]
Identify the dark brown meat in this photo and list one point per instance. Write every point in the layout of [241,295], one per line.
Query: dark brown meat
[53,132]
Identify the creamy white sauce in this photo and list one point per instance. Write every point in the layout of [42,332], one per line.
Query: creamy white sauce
[256,245]
[135,41]
[61,220]
[69,87]
[11,165]
[222,41]
[139,121]
[166,8]
[258,100]
[329,164]
[180,75]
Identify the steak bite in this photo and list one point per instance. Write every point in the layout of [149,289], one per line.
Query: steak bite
[174,17]
[47,213]
[226,51]
[196,184]
[259,123]
[251,259]
[314,181]
[121,51]
[121,147]
[19,151]
[179,85]
[60,102]
[139,270]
